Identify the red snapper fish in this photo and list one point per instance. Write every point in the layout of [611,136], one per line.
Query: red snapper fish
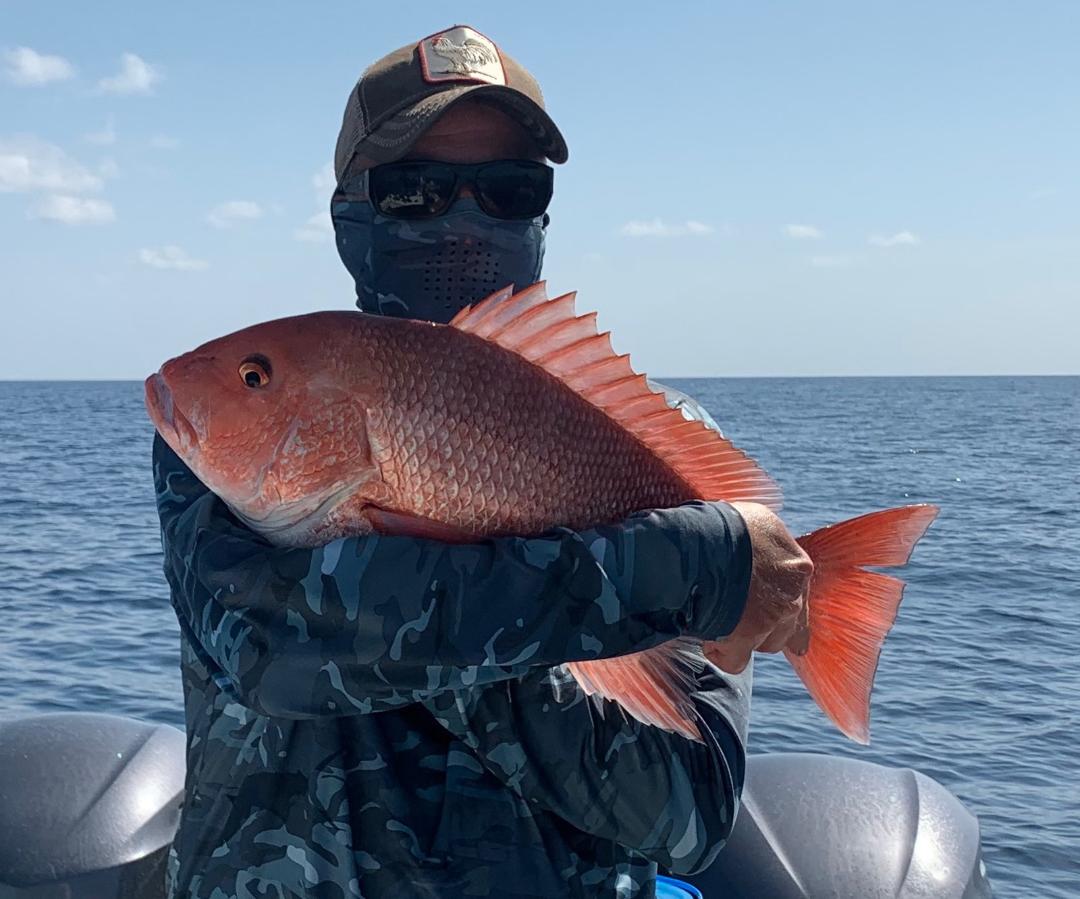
[515,418]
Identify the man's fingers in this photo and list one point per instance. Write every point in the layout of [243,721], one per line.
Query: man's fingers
[800,640]
[728,656]
[778,639]
[785,625]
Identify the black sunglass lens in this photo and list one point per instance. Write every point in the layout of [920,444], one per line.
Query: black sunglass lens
[411,191]
[514,190]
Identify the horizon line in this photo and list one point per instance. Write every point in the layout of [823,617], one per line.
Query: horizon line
[661,378]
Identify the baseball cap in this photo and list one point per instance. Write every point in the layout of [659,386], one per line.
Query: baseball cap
[398,97]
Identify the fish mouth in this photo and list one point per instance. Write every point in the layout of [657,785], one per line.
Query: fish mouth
[170,422]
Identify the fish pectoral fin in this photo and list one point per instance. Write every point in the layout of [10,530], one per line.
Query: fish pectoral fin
[653,686]
[404,524]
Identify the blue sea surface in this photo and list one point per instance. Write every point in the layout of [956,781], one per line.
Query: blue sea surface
[979,682]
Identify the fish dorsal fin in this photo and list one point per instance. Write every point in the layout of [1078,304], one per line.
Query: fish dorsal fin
[550,334]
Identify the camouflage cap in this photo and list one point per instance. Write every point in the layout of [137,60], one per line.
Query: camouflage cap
[401,95]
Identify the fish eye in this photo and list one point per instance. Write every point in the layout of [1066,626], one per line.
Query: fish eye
[255,371]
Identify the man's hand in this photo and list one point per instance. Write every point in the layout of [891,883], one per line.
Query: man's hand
[776,605]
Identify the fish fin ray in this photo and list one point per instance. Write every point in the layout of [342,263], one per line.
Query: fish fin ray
[652,686]
[851,610]
[549,333]
[473,314]
[494,313]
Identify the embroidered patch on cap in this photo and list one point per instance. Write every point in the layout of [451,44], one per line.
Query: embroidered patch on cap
[461,54]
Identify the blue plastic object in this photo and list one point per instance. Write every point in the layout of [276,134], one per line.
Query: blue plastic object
[669,888]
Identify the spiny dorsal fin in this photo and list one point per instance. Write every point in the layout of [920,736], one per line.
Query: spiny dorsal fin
[551,335]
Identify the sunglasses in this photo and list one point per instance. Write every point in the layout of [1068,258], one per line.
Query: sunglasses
[504,189]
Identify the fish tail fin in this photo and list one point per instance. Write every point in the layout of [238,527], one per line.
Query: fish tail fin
[851,610]
[653,686]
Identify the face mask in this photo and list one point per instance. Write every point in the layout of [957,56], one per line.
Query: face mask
[432,268]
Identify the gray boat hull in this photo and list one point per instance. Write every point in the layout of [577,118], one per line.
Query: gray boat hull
[89,804]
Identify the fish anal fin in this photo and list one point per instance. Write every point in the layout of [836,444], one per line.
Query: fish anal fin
[652,686]
[549,334]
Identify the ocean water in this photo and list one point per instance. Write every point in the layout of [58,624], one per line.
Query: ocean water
[979,682]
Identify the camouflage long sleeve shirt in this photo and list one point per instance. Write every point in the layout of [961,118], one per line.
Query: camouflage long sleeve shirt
[386,717]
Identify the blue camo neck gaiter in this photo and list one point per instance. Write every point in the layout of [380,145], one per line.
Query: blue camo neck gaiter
[432,268]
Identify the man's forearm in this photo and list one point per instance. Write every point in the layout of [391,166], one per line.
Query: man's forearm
[374,622]
[582,758]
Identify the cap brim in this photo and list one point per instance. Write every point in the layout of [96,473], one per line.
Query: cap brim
[395,137]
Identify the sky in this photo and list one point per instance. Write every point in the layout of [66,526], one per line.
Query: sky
[753,188]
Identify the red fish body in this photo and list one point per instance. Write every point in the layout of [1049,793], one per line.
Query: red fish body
[515,418]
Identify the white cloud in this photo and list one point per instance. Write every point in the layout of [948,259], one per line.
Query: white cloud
[171,257]
[803,232]
[225,215]
[106,137]
[317,229]
[29,164]
[164,142]
[830,261]
[136,76]
[73,210]
[659,228]
[900,238]
[30,68]
[324,181]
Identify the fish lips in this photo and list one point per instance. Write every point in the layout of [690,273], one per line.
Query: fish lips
[170,422]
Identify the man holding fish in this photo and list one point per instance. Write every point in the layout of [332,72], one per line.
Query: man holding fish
[434,641]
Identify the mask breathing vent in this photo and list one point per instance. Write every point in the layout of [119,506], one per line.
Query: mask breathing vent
[461,272]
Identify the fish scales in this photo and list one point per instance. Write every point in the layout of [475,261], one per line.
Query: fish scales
[475,436]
